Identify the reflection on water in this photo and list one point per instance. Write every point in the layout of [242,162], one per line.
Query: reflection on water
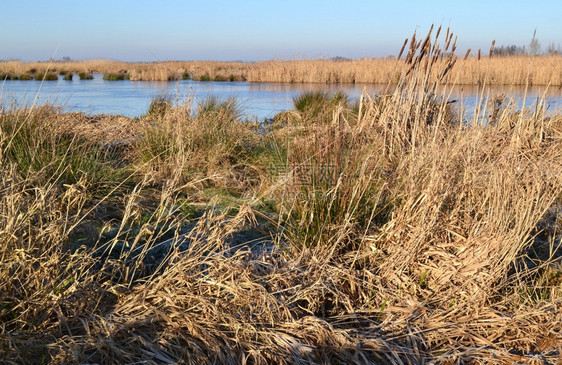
[132,98]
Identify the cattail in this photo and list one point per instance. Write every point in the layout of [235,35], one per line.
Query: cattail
[454,45]
[466,55]
[402,49]
[448,41]
[412,50]
[429,33]
[478,54]
[435,43]
[425,47]
[426,43]
[433,59]
[436,54]
[425,64]
[492,48]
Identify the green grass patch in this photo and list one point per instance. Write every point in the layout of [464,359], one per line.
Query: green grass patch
[223,200]
[159,105]
[25,76]
[8,76]
[314,104]
[85,76]
[116,76]
[233,78]
[206,145]
[205,77]
[50,76]
[58,157]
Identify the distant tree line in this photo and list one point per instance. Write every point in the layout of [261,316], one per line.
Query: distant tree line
[533,49]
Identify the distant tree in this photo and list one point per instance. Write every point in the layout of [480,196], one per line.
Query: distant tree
[553,50]
[341,59]
[511,50]
[534,47]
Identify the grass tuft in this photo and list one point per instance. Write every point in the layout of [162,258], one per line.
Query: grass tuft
[25,77]
[50,76]
[159,105]
[319,105]
[116,76]
[85,76]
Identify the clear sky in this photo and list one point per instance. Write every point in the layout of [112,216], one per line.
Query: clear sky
[250,30]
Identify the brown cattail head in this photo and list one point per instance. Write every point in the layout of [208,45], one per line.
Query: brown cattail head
[478,54]
[492,48]
[448,41]
[467,53]
[436,52]
[412,50]
[402,49]
[454,45]
[426,42]
[436,43]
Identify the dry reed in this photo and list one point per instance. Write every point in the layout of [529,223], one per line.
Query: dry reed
[497,70]
[420,243]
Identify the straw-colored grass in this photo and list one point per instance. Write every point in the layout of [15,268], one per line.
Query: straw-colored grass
[201,145]
[506,70]
[387,232]
[152,71]
[516,70]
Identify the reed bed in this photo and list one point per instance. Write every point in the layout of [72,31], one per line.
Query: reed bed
[153,71]
[515,70]
[387,231]
[473,70]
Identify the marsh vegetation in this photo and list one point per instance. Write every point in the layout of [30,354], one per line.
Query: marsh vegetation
[472,70]
[387,230]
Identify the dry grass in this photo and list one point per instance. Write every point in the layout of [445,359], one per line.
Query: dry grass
[543,70]
[203,145]
[155,71]
[511,70]
[426,240]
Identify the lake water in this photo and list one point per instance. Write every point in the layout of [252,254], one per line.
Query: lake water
[257,100]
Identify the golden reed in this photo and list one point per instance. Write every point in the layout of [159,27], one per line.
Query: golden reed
[471,70]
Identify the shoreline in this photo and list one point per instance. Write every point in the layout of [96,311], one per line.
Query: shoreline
[504,70]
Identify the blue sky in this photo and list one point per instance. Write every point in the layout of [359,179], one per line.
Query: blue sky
[259,30]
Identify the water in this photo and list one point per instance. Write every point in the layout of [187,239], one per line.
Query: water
[257,100]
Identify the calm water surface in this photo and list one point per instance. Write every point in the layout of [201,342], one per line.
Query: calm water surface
[257,100]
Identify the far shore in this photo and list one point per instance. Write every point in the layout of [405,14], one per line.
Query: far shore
[505,70]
